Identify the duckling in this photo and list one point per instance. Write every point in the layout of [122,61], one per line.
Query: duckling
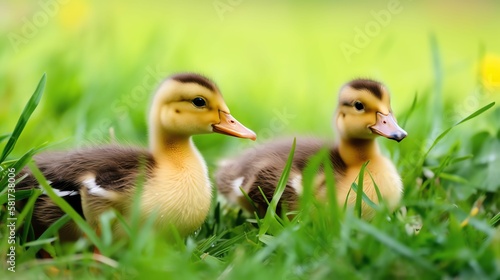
[363,113]
[176,187]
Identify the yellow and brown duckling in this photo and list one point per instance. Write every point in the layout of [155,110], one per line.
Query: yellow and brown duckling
[176,187]
[363,113]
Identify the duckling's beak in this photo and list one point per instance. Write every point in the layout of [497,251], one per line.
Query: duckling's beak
[387,126]
[230,126]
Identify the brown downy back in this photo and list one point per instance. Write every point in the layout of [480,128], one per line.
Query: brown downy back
[114,167]
[262,167]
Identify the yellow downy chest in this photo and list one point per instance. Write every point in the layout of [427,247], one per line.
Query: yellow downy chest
[386,177]
[178,196]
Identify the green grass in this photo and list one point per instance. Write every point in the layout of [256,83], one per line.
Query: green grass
[288,61]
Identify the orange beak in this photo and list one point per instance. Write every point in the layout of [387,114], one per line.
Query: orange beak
[387,126]
[230,126]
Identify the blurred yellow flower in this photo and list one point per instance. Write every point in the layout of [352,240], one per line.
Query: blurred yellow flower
[74,13]
[490,71]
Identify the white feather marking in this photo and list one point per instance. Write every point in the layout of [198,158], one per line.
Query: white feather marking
[236,184]
[65,193]
[57,191]
[95,189]
[296,183]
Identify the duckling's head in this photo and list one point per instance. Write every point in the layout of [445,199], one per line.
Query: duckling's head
[364,112]
[186,104]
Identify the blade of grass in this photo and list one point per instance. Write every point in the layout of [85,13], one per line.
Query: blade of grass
[453,178]
[40,242]
[364,197]
[248,199]
[28,207]
[28,229]
[308,175]
[477,113]
[123,223]
[142,228]
[359,190]
[135,220]
[471,116]
[392,243]
[270,220]
[444,133]
[4,136]
[377,190]
[20,195]
[271,246]
[346,201]
[51,231]
[106,221]
[493,221]
[25,115]
[410,111]
[217,218]
[284,178]
[332,196]
[19,164]
[264,196]
[459,159]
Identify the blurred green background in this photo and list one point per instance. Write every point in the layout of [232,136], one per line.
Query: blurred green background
[104,59]
[279,66]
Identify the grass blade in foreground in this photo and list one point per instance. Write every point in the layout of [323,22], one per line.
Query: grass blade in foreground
[471,116]
[270,220]
[331,189]
[20,163]
[410,111]
[51,231]
[30,204]
[308,176]
[28,110]
[359,191]
[394,244]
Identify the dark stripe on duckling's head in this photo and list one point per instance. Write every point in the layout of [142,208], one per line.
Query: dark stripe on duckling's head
[195,78]
[372,86]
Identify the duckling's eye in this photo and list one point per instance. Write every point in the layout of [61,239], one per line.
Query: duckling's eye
[199,102]
[359,106]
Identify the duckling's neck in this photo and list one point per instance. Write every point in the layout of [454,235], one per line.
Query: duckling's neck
[179,191]
[355,152]
[173,148]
